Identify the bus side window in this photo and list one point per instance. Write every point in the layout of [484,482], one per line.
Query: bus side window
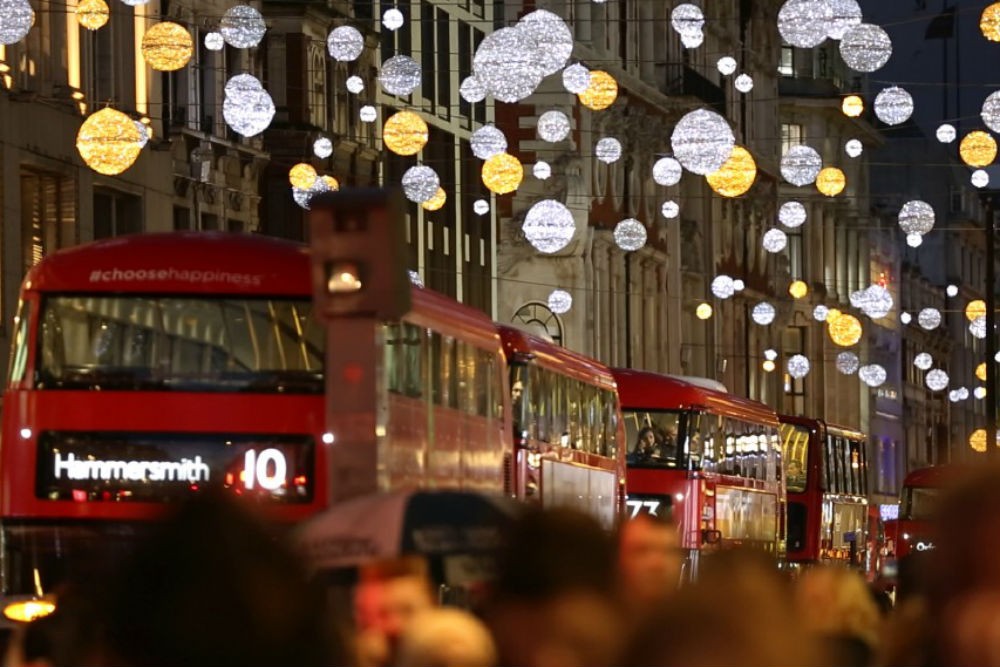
[19,350]
[611,409]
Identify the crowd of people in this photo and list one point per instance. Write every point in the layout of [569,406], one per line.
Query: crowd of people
[213,587]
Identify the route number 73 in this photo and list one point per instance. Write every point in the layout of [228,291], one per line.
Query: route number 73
[647,506]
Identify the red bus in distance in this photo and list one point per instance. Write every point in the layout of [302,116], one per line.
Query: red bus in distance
[710,458]
[911,532]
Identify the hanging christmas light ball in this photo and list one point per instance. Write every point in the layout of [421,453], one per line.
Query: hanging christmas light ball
[601,92]
[800,165]
[506,64]
[975,308]
[481,207]
[703,311]
[847,363]
[553,37]
[242,27]
[743,83]
[354,84]
[792,214]
[549,226]
[436,202]
[770,354]
[768,366]
[853,148]
[893,105]
[977,327]
[914,240]
[865,47]
[502,173]
[951,290]
[415,278]
[302,176]
[805,23]
[929,318]
[979,392]
[872,375]
[693,40]
[831,181]
[820,313]
[542,170]
[420,183]
[977,439]
[393,19]
[608,150]
[687,19]
[722,287]
[953,396]
[989,24]
[16,19]
[738,284]
[367,114]
[345,43]
[916,217]
[878,302]
[487,141]
[576,78]
[400,75]
[978,149]
[726,65]
[247,107]
[630,235]
[92,14]
[905,318]
[472,89]
[845,330]
[330,182]
[774,240]
[560,301]
[846,15]
[736,176]
[167,46]
[798,289]
[702,141]
[405,133]
[108,142]
[553,126]
[798,366]
[981,371]
[853,106]
[763,313]
[946,133]
[667,171]
[214,41]
[936,379]
[991,111]
[670,209]
[304,197]
[923,361]
[144,133]
[980,178]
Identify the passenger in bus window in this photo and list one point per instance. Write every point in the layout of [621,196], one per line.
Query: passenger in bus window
[668,443]
[646,446]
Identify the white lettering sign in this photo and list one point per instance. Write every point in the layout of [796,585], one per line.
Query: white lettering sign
[186,470]
[925,546]
[268,470]
[637,506]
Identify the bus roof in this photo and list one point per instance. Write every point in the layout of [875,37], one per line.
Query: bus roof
[819,424]
[643,390]
[555,357]
[935,476]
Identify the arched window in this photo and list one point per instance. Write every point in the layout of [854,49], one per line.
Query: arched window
[538,319]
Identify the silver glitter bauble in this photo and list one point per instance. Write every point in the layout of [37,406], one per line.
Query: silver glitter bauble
[630,235]
[355,84]
[872,375]
[420,183]
[846,15]
[805,23]
[323,147]
[774,240]
[923,361]
[916,217]
[214,41]
[800,165]
[487,141]
[247,107]
[702,141]
[946,133]
[847,363]
[763,313]
[792,214]
[936,379]
[798,366]
[929,318]
[242,27]
[542,171]
[549,226]
[400,75]
[506,64]
[670,209]
[560,301]
[472,90]
[393,19]
[553,126]
[893,106]
[865,47]
[722,287]
[576,78]
[553,37]
[608,150]
[345,43]
[667,171]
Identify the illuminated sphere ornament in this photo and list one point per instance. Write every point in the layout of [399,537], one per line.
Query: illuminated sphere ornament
[946,133]
[865,47]
[800,165]
[743,83]
[167,46]
[845,330]
[798,289]
[108,142]
[303,197]
[768,366]
[936,379]
[630,235]
[405,133]
[805,23]
[929,318]
[847,363]
[736,176]
[576,78]
[553,37]
[608,150]
[393,19]
[667,171]
[693,40]
[770,354]
[991,111]
[820,313]
[763,313]
[330,182]
[738,284]
[792,214]
[916,217]
[436,202]
[977,327]
[688,20]
[905,318]
[978,149]
[242,27]
[923,361]
[722,287]
[670,209]
[703,311]
[345,43]
[774,240]
[143,134]
[247,107]
[420,183]
[977,439]
[400,75]
[975,308]
[506,64]
[798,366]
[481,207]
[831,181]
[853,148]
[980,178]
[893,105]
[92,14]
[553,126]
[302,176]
[873,375]
[560,301]
[354,84]
[487,141]
[16,19]
[914,240]
[472,90]
[951,290]
[726,65]
[702,141]
[876,301]
[979,392]
[852,106]
[549,226]
[981,371]
[415,278]
[542,170]
[214,41]
[502,173]
[989,24]
[367,114]
[601,92]
[846,15]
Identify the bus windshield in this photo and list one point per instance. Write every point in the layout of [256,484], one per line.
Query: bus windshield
[919,502]
[184,343]
[652,438]
[795,452]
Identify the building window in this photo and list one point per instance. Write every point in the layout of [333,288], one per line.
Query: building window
[209,221]
[795,256]
[116,213]
[182,218]
[791,135]
[48,214]
[786,67]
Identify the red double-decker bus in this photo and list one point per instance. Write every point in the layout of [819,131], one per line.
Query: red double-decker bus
[710,458]
[911,531]
[148,368]
[826,477]
[568,428]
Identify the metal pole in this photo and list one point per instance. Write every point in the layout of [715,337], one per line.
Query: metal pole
[991,342]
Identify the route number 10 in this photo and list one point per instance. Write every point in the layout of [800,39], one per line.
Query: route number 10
[267,469]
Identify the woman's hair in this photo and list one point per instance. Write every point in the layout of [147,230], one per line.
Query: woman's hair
[836,601]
